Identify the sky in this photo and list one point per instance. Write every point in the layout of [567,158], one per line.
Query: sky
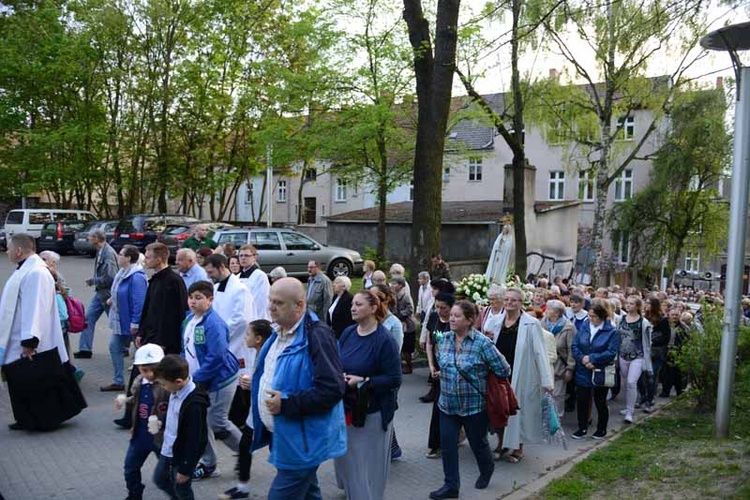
[537,63]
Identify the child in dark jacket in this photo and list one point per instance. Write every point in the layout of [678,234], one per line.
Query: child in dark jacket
[149,402]
[257,333]
[205,346]
[185,432]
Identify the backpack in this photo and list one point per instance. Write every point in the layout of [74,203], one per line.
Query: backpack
[76,315]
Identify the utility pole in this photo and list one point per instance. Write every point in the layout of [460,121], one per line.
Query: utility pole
[732,39]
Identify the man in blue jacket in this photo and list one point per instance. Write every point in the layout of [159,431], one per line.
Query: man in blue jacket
[297,392]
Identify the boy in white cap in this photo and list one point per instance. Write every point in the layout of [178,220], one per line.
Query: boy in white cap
[150,402]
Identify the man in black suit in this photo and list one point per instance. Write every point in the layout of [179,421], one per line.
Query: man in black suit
[339,315]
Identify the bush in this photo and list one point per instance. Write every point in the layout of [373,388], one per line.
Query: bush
[380,261]
[700,355]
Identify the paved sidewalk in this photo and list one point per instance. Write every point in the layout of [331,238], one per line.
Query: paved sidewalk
[83,460]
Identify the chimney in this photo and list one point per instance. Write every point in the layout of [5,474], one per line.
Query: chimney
[719,82]
[553,73]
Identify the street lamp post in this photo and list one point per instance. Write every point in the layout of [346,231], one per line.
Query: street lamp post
[732,39]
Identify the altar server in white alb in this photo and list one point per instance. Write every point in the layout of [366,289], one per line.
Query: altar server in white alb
[235,305]
[30,330]
[255,280]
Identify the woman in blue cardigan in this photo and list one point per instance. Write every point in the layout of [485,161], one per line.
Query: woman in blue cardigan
[595,346]
[372,370]
[125,307]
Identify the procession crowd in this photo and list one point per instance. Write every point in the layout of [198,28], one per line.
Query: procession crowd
[224,352]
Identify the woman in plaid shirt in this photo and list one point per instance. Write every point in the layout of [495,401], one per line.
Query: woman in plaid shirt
[465,357]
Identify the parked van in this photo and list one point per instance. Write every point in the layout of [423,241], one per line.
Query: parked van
[31,220]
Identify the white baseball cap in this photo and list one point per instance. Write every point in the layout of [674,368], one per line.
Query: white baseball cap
[148,354]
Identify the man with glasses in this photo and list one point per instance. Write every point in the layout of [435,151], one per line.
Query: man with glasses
[255,280]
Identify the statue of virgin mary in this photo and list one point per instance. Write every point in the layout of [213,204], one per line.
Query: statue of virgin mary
[502,250]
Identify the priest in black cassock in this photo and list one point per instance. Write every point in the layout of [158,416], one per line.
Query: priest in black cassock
[43,391]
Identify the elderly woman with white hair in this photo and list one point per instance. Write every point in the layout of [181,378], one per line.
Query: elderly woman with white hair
[521,342]
[398,271]
[490,319]
[565,366]
[339,315]
[52,259]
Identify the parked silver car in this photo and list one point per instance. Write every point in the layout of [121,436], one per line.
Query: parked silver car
[293,250]
[81,243]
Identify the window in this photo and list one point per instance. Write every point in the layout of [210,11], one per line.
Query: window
[556,185]
[692,262]
[237,239]
[311,174]
[294,241]
[627,128]
[475,169]
[281,192]
[341,189]
[265,240]
[586,179]
[621,247]
[624,186]
[249,193]
[446,174]
[16,217]
[39,217]
[411,190]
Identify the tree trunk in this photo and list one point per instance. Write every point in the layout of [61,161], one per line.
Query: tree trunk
[519,154]
[434,77]
[382,196]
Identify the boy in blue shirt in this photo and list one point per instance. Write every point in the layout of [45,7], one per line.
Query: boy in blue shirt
[149,403]
[205,346]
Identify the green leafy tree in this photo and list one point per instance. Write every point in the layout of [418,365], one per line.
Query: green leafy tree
[608,46]
[370,140]
[680,208]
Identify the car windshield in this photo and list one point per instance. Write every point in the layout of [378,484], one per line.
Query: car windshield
[175,230]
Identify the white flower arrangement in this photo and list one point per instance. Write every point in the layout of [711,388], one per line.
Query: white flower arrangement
[474,287]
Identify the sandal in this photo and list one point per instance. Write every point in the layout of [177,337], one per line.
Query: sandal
[515,457]
[498,454]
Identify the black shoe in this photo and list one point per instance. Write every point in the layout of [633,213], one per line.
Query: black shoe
[598,435]
[483,482]
[664,395]
[134,497]
[579,434]
[125,354]
[444,492]
[15,426]
[82,355]
[221,435]
[427,398]
[123,422]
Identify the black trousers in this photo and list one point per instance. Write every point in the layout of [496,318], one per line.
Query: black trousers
[433,439]
[245,458]
[672,378]
[584,395]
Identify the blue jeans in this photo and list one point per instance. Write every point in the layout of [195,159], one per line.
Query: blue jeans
[476,427]
[118,344]
[135,457]
[295,485]
[165,479]
[93,313]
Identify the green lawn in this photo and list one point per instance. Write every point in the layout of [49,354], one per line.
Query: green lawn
[671,455]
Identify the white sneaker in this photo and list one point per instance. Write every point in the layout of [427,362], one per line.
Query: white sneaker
[629,418]
[624,411]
